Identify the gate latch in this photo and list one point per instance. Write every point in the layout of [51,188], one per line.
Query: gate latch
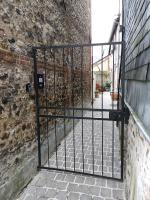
[115,115]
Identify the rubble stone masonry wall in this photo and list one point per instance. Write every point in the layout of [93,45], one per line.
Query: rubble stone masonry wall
[24,24]
[137,169]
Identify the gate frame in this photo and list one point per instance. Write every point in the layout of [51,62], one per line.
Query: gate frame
[123,111]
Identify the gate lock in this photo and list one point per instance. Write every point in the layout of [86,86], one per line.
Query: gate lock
[115,115]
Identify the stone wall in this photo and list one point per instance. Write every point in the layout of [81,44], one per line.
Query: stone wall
[137,163]
[25,24]
[137,34]
[17,118]
[67,74]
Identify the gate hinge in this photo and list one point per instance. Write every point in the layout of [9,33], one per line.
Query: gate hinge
[120,115]
[126,115]
[122,28]
[116,115]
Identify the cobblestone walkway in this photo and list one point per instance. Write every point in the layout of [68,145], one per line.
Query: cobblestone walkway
[48,185]
[62,185]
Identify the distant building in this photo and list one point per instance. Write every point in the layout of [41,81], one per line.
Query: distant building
[136,23]
[137,94]
[101,71]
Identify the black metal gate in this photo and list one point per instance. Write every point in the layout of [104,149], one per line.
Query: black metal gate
[80,108]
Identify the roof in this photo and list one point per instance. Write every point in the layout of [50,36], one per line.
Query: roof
[100,60]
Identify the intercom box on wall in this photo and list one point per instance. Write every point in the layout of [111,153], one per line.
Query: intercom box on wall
[40,81]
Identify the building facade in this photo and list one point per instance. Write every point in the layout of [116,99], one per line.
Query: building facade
[136,24]
[101,72]
[137,86]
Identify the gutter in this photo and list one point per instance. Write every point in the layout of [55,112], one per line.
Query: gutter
[114,28]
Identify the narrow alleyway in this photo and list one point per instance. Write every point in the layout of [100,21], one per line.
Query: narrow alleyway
[62,185]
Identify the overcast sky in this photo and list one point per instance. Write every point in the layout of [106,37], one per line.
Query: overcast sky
[103,13]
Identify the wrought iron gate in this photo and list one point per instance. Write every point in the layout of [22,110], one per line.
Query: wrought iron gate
[79,103]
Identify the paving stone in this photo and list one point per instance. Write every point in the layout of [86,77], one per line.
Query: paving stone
[29,197]
[41,182]
[91,167]
[34,181]
[85,197]
[61,195]
[68,164]
[31,190]
[112,184]
[109,199]
[90,161]
[100,182]
[51,184]
[40,192]
[60,177]
[51,193]
[79,179]
[94,190]
[70,178]
[62,185]
[73,196]
[72,187]
[49,174]
[90,181]
[118,194]
[98,198]
[105,192]
[121,186]
[84,189]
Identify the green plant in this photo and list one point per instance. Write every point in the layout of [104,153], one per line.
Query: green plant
[107,84]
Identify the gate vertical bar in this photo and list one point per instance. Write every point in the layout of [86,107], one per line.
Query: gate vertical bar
[122,105]
[64,106]
[55,109]
[46,95]
[113,91]
[37,106]
[102,111]
[73,96]
[92,117]
[123,89]
[82,105]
